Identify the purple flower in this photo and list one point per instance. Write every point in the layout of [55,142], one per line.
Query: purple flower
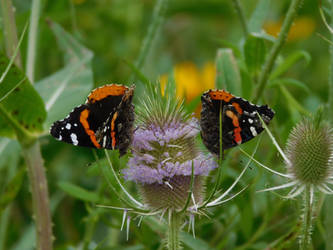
[160,153]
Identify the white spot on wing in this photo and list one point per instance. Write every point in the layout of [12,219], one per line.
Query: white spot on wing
[74,139]
[253,131]
[250,120]
[68,126]
[75,124]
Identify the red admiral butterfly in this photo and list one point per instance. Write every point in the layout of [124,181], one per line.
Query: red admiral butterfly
[104,121]
[240,122]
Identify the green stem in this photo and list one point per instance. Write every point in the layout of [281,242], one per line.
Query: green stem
[6,214]
[32,39]
[241,15]
[94,213]
[10,32]
[173,230]
[277,46]
[330,80]
[305,241]
[158,15]
[40,198]
[329,200]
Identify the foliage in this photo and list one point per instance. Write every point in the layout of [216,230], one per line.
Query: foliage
[82,44]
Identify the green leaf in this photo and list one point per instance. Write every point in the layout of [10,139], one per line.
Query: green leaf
[228,75]
[20,100]
[74,51]
[289,61]
[289,82]
[192,105]
[11,190]
[138,73]
[78,192]
[254,53]
[94,168]
[265,36]
[194,243]
[9,156]
[69,86]
[226,44]
[247,84]
[259,15]
[293,102]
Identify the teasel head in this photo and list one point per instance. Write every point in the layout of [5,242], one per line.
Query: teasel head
[165,154]
[310,151]
[308,157]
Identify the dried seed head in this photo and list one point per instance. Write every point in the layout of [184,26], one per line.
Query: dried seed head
[310,151]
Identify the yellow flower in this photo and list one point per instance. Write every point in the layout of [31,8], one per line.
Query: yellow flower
[191,81]
[302,28]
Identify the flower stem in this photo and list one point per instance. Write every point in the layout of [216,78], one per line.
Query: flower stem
[32,39]
[241,15]
[277,46]
[40,199]
[330,80]
[329,198]
[305,241]
[157,19]
[173,230]
[10,31]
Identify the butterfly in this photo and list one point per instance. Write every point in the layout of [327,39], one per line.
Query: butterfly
[240,122]
[104,121]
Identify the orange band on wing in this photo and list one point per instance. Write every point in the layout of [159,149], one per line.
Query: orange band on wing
[220,95]
[83,119]
[113,133]
[237,107]
[237,129]
[104,91]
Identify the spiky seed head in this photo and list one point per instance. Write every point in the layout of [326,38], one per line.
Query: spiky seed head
[310,151]
[164,151]
[173,195]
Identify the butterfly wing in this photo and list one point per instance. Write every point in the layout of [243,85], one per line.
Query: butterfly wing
[240,122]
[117,131]
[73,129]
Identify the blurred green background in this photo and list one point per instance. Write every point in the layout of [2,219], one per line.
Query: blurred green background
[185,48]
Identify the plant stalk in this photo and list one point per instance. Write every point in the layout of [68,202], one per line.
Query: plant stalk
[329,199]
[276,48]
[32,39]
[40,198]
[241,15]
[305,241]
[173,241]
[330,80]
[158,16]
[10,31]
